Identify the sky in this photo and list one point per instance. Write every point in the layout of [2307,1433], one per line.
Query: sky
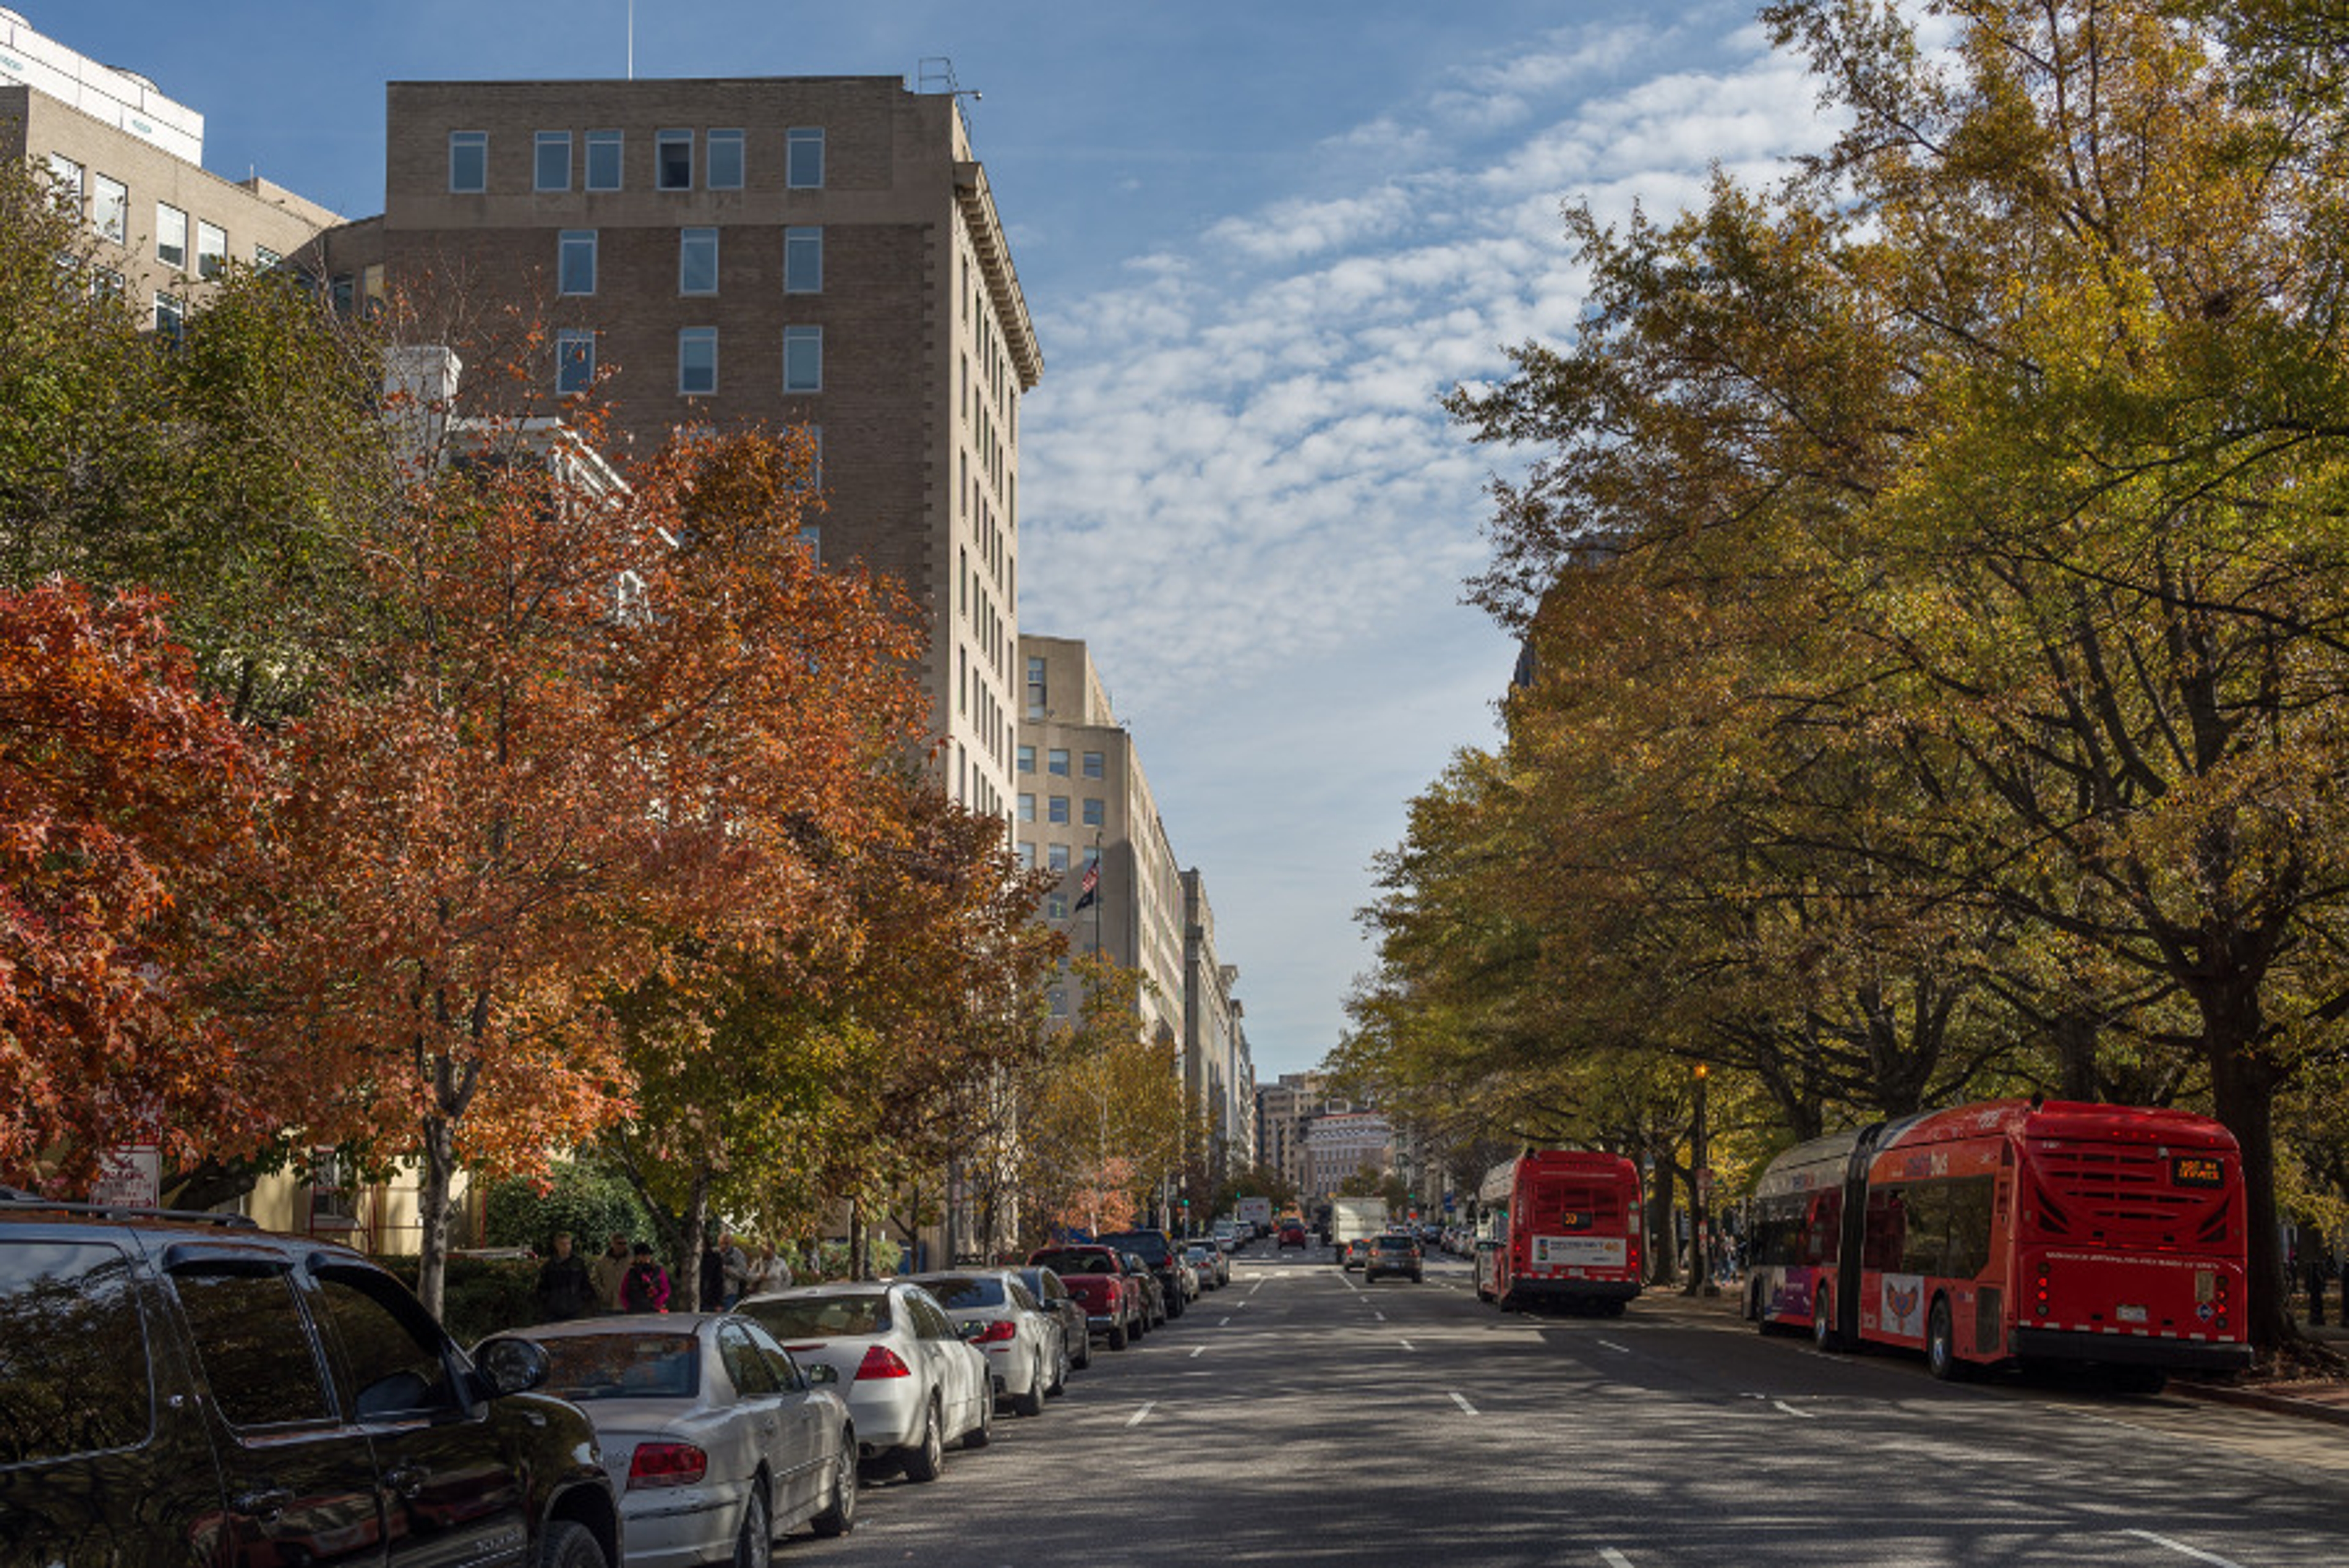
[1258,241]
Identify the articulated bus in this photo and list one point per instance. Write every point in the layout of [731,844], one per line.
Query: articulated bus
[2011,1233]
[1559,1227]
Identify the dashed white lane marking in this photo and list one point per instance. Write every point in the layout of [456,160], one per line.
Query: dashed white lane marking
[1612,1558]
[1461,1401]
[1223,1322]
[2180,1546]
[1196,1349]
[1407,1344]
[1792,1412]
[1147,1406]
[1619,1350]
[1377,1313]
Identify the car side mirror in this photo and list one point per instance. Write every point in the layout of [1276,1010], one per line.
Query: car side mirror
[511,1365]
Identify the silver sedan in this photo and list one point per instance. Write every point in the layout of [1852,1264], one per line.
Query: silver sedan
[1027,1351]
[913,1386]
[716,1440]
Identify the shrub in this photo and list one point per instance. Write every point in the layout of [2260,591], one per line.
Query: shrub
[581,1196]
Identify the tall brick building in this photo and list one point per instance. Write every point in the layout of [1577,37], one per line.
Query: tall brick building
[817,252]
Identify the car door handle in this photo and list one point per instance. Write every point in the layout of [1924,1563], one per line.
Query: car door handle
[406,1479]
[264,1504]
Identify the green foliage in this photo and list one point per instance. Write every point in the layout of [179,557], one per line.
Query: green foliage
[583,1196]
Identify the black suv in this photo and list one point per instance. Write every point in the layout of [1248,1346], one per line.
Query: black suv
[186,1389]
[1158,1255]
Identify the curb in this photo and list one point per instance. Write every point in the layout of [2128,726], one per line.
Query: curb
[2252,1399]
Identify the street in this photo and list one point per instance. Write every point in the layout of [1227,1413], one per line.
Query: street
[1300,1416]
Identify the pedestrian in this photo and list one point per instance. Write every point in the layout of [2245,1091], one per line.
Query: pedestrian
[645,1287]
[735,1265]
[711,1276]
[769,1271]
[607,1271]
[565,1289]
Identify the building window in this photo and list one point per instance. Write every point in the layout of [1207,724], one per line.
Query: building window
[603,149]
[1056,761]
[812,540]
[66,182]
[802,359]
[211,250]
[803,162]
[171,235]
[673,160]
[1026,806]
[170,317]
[1092,761]
[1095,814]
[696,261]
[1056,906]
[696,361]
[342,290]
[1056,809]
[110,208]
[1092,854]
[105,283]
[1056,857]
[552,168]
[1060,1003]
[264,258]
[1027,855]
[803,260]
[468,160]
[1027,759]
[1036,692]
[576,261]
[726,160]
[575,362]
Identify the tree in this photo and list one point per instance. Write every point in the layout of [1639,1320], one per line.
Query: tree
[128,806]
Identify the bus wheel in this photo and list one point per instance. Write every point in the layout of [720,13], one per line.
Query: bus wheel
[1823,1332]
[1941,1344]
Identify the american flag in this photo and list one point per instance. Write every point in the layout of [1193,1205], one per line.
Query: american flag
[1088,888]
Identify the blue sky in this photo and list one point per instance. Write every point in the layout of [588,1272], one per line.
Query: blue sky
[1258,241]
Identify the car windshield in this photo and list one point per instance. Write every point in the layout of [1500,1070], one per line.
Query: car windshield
[821,1317]
[1067,1263]
[622,1365]
[962,1292]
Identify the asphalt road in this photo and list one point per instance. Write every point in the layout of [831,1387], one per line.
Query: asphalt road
[1299,1416]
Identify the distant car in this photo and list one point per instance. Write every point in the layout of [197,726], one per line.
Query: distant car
[1355,1253]
[1159,1255]
[1076,1324]
[1116,1303]
[1391,1254]
[1026,1348]
[913,1386]
[1215,1270]
[1292,1233]
[716,1440]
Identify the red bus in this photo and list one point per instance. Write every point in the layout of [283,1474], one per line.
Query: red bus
[2011,1233]
[1559,1227]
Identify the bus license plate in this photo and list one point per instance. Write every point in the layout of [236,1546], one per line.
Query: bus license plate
[2129,1314]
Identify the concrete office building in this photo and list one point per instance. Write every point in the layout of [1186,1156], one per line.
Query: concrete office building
[1083,801]
[820,252]
[129,162]
[1340,1144]
[1215,1041]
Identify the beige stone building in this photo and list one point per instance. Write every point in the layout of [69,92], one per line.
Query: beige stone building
[816,252]
[129,162]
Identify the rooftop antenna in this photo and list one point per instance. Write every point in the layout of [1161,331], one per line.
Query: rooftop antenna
[935,74]
[632,40]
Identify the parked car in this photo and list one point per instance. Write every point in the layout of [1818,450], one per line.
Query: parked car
[1076,1324]
[185,1387]
[1161,1257]
[1355,1253]
[1116,1303]
[1027,1351]
[1292,1233]
[1207,1256]
[1391,1254]
[1154,1289]
[913,1385]
[716,1439]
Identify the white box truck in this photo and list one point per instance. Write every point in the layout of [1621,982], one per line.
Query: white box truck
[1352,1219]
[1256,1215]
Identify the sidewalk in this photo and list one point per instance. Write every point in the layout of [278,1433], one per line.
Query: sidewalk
[2313,1399]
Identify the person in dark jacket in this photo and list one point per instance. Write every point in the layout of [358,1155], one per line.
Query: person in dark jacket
[644,1287]
[565,1288]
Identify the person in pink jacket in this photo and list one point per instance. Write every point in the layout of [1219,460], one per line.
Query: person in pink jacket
[644,1287]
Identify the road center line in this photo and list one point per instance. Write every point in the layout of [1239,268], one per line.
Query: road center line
[1407,1344]
[2180,1546]
[1612,1558]
[1792,1412]
[1147,1406]
[1619,1350]
[1460,1400]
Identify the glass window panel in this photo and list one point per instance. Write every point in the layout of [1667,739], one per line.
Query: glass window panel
[1056,809]
[726,160]
[170,315]
[1057,857]
[552,167]
[468,160]
[392,1351]
[673,160]
[803,260]
[575,362]
[211,250]
[697,262]
[1056,761]
[1093,768]
[171,235]
[110,208]
[603,151]
[802,359]
[804,148]
[73,1352]
[1095,815]
[575,265]
[1027,759]
[65,179]
[255,1347]
[696,361]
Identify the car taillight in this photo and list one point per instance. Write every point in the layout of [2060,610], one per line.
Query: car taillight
[882,1362]
[666,1464]
[996,1333]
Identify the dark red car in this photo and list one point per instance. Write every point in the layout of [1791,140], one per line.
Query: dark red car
[1292,1233]
[1113,1296]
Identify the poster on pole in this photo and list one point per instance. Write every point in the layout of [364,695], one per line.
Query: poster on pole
[130,1175]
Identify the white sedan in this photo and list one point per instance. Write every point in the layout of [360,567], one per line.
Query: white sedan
[913,1386]
[716,1440]
[1027,1349]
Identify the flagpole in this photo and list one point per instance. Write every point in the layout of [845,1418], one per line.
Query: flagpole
[1097,897]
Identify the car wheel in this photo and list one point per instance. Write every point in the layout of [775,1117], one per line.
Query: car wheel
[839,1515]
[1032,1403]
[980,1436]
[1940,1344]
[754,1544]
[927,1457]
[569,1544]
[1061,1367]
[1084,1350]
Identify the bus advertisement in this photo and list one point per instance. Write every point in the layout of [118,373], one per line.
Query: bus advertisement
[2011,1233]
[1560,1228]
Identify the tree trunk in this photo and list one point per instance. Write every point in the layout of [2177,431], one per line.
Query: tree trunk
[694,1239]
[2242,1091]
[859,1246]
[1664,1246]
[432,1211]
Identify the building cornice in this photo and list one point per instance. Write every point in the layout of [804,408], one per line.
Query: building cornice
[977,205]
